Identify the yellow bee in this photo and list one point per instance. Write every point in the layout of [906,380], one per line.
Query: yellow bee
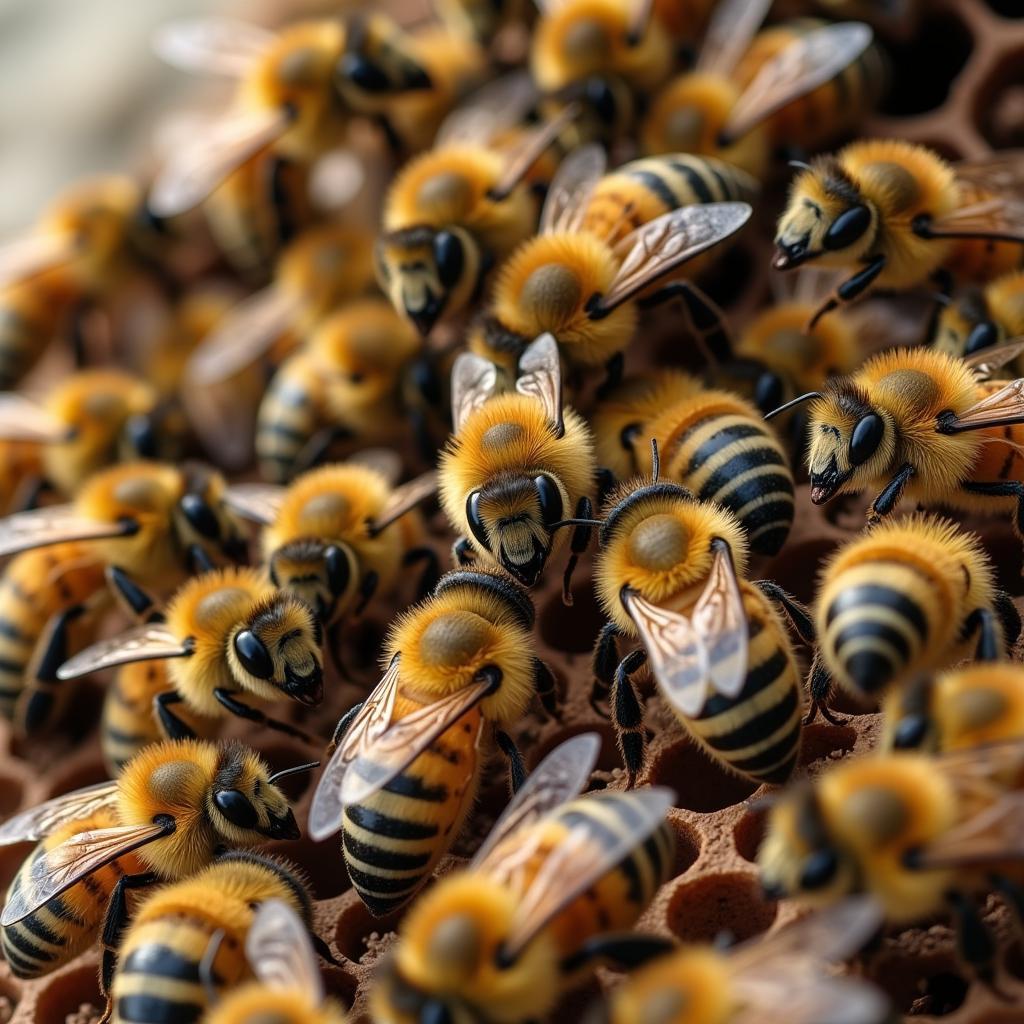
[918,834]
[982,318]
[407,761]
[895,211]
[486,20]
[175,806]
[515,464]
[670,571]
[604,239]
[551,891]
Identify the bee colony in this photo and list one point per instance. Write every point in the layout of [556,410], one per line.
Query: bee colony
[512,512]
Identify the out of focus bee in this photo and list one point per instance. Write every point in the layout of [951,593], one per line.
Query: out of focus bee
[412,753]
[287,986]
[549,894]
[670,571]
[297,91]
[713,443]
[187,943]
[898,213]
[486,21]
[907,597]
[604,239]
[739,109]
[152,520]
[979,318]
[516,465]
[784,974]
[919,834]
[228,634]
[175,806]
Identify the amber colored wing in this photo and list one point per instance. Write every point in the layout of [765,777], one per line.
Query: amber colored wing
[404,498]
[807,62]
[147,642]
[474,381]
[540,377]
[496,107]
[993,835]
[1004,407]
[21,419]
[53,525]
[26,257]
[259,503]
[720,621]
[219,46]
[282,957]
[571,189]
[57,870]
[38,822]
[988,360]
[733,25]
[667,242]
[1002,173]
[520,162]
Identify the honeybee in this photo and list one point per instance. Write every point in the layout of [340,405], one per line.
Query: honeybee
[287,984]
[603,240]
[231,634]
[670,571]
[711,442]
[515,465]
[411,754]
[738,109]
[907,597]
[175,806]
[896,211]
[918,834]
[782,974]
[547,895]
[150,519]
[486,20]
[982,318]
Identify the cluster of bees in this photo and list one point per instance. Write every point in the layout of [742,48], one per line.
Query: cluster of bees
[253,303]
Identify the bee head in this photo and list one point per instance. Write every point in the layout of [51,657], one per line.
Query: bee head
[376,63]
[202,519]
[322,575]
[966,326]
[244,803]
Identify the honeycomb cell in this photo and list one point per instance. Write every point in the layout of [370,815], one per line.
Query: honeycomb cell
[708,907]
[360,935]
[340,985]
[917,988]
[700,784]
[748,833]
[67,993]
[688,845]
[608,759]
[826,741]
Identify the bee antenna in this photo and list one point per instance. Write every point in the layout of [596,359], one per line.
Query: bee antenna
[294,770]
[789,405]
[655,461]
[799,165]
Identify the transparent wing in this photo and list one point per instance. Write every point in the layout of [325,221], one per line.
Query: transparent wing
[540,377]
[403,499]
[807,62]
[560,777]
[146,642]
[733,25]
[994,834]
[217,46]
[802,999]
[498,106]
[280,952]
[25,257]
[38,822]
[570,190]
[520,162]
[385,461]
[721,622]
[474,381]
[1001,173]
[52,525]
[988,360]
[22,419]
[1001,408]
[257,502]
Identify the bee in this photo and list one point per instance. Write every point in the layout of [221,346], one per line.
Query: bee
[982,318]
[151,520]
[907,597]
[670,571]
[785,973]
[485,20]
[896,211]
[229,634]
[185,953]
[603,240]
[175,806]
[515,464]
[711,442]
[799,84]
[551,890]
[919,834]
[406,762]
[287,984]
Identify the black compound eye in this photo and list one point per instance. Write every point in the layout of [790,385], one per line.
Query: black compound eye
[983,335]
[866,437]
[338,571]
[476,522]
[448,258]
[550,499]
[910,732]
[200,515]
[142,436]
[235,806]
[819,869]
[847,228]
[253,655]
[364,73]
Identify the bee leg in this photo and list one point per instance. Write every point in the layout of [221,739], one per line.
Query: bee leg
[114,921]
[850,289]
[706,319]
[199,561]
[974,941]
[612,375]
[141,605]
[463,553]
[580,540]
[604,660]
[889,496]
[795,611]
[625,950]
[821,691]
[342,727]
[367,588]
[1003,489]
[628,715]
[516,768]
[228,700]
[982,621]
[431,569]
[174,728]
[1009,619]
[544,684]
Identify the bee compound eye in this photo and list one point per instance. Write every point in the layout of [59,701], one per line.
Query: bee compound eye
[236,807]
[550,499]
[847,227]
[363,73]
[449,258]
[198,512]
[866,437]
[339,573]
[819,869]
[475,519]
[253,655]
[982,336]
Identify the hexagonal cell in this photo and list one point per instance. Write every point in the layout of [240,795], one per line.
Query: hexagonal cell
[748,833]
[826,741]
[66,995]
[917,988]
[688,845]
[700,783]
[340,985]
[707,907]
[572,628]
[608,759]
[361,936]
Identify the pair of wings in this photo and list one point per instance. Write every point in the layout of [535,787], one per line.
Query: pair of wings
[277,947]
[693,657]
[56,870]
[475,381]
[1002,407]
[993,200]
[53,524]
[23,419]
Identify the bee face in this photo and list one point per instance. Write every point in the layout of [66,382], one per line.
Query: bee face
[323,576]
[202,519]
[376,64]
[967,326]
[243,803]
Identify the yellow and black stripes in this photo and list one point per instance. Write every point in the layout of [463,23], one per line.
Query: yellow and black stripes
[288,418]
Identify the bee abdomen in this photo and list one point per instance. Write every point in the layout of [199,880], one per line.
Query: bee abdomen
[287,421]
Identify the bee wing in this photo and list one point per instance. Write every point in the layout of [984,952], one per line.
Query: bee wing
[721,622]
[404,498]
[474,381]
[1001,173]
[496,107]
[25,257]
[195,170]
[676,651]
[280,952]
[667,242]
[560,777]
[540,377]
[219,46]
[807,62]
[808,999]
[57,870]
[257,502]
[1001,408]
[570,190]
[365,729]
[733,25]
[533,148]
[52,525]
[988,360]
[22,419]
[146,642]
[38,822]
[994,834]
[385,461]
[580,860]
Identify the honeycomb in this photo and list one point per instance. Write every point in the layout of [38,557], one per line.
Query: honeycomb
[958,86]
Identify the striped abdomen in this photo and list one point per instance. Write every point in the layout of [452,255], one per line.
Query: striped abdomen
[1001,458]
[289,416]
[31,314]
[393,841]
[757,732]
